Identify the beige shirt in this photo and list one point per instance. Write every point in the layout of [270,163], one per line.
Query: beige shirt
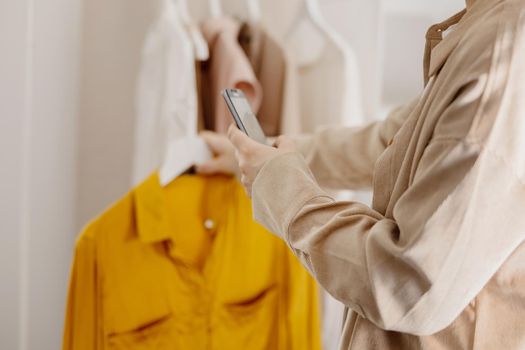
[228,68]
[275,70]
[438,261]
[269,64]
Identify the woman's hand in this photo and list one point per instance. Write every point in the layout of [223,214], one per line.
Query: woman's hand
[224,161]
[252,156]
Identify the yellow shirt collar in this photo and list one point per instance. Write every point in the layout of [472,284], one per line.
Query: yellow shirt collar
[187,213]
[151,218]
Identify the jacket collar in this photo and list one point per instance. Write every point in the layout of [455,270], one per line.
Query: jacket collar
[441,49]
[437,50]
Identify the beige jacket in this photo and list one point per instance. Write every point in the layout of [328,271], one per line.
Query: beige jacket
[438,261]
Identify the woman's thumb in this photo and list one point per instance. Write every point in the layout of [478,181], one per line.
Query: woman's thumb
[214,141]
[210,167]
[284,143]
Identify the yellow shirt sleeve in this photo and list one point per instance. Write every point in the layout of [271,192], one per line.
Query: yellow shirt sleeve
[83,323]
[304,326]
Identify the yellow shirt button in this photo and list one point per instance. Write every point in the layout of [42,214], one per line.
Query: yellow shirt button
[209,224]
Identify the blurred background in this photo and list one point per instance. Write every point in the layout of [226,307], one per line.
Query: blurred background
[68,72]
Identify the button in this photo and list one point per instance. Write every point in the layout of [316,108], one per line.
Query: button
[209,224]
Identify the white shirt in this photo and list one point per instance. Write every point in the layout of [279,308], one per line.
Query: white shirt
[166,100]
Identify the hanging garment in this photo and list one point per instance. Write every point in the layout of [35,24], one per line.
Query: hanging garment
[329,89]
[328,76]
[437,261]
[244,10]
[166,92]
[227,68]
[279,112]
[203,10]
[185,267]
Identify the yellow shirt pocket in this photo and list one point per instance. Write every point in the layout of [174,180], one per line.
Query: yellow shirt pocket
[252,323]
[156,333]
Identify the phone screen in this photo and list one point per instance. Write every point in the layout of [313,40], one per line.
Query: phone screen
[248,119]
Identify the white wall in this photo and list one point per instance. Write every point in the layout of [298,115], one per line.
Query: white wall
[113,34]
[438,10]
[39,43]
[359,22]
[13,26]
[404,25]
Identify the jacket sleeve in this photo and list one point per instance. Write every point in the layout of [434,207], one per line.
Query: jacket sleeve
[415,270]
[386,269]
[343,157]
[82,327]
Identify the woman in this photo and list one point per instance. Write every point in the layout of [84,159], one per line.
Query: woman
[437,262]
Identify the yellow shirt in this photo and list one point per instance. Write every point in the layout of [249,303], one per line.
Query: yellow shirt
[186,267]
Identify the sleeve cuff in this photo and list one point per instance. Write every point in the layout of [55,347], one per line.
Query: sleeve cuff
[303,143]
[282,187]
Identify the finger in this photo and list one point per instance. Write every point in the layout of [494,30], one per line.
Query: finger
[232,132]
[246,185]
[242,167]
[278,141]
[284,143]
[239,139]
[213,166]
[216,142]
[237,155]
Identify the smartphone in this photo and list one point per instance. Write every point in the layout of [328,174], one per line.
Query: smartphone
[242,114]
